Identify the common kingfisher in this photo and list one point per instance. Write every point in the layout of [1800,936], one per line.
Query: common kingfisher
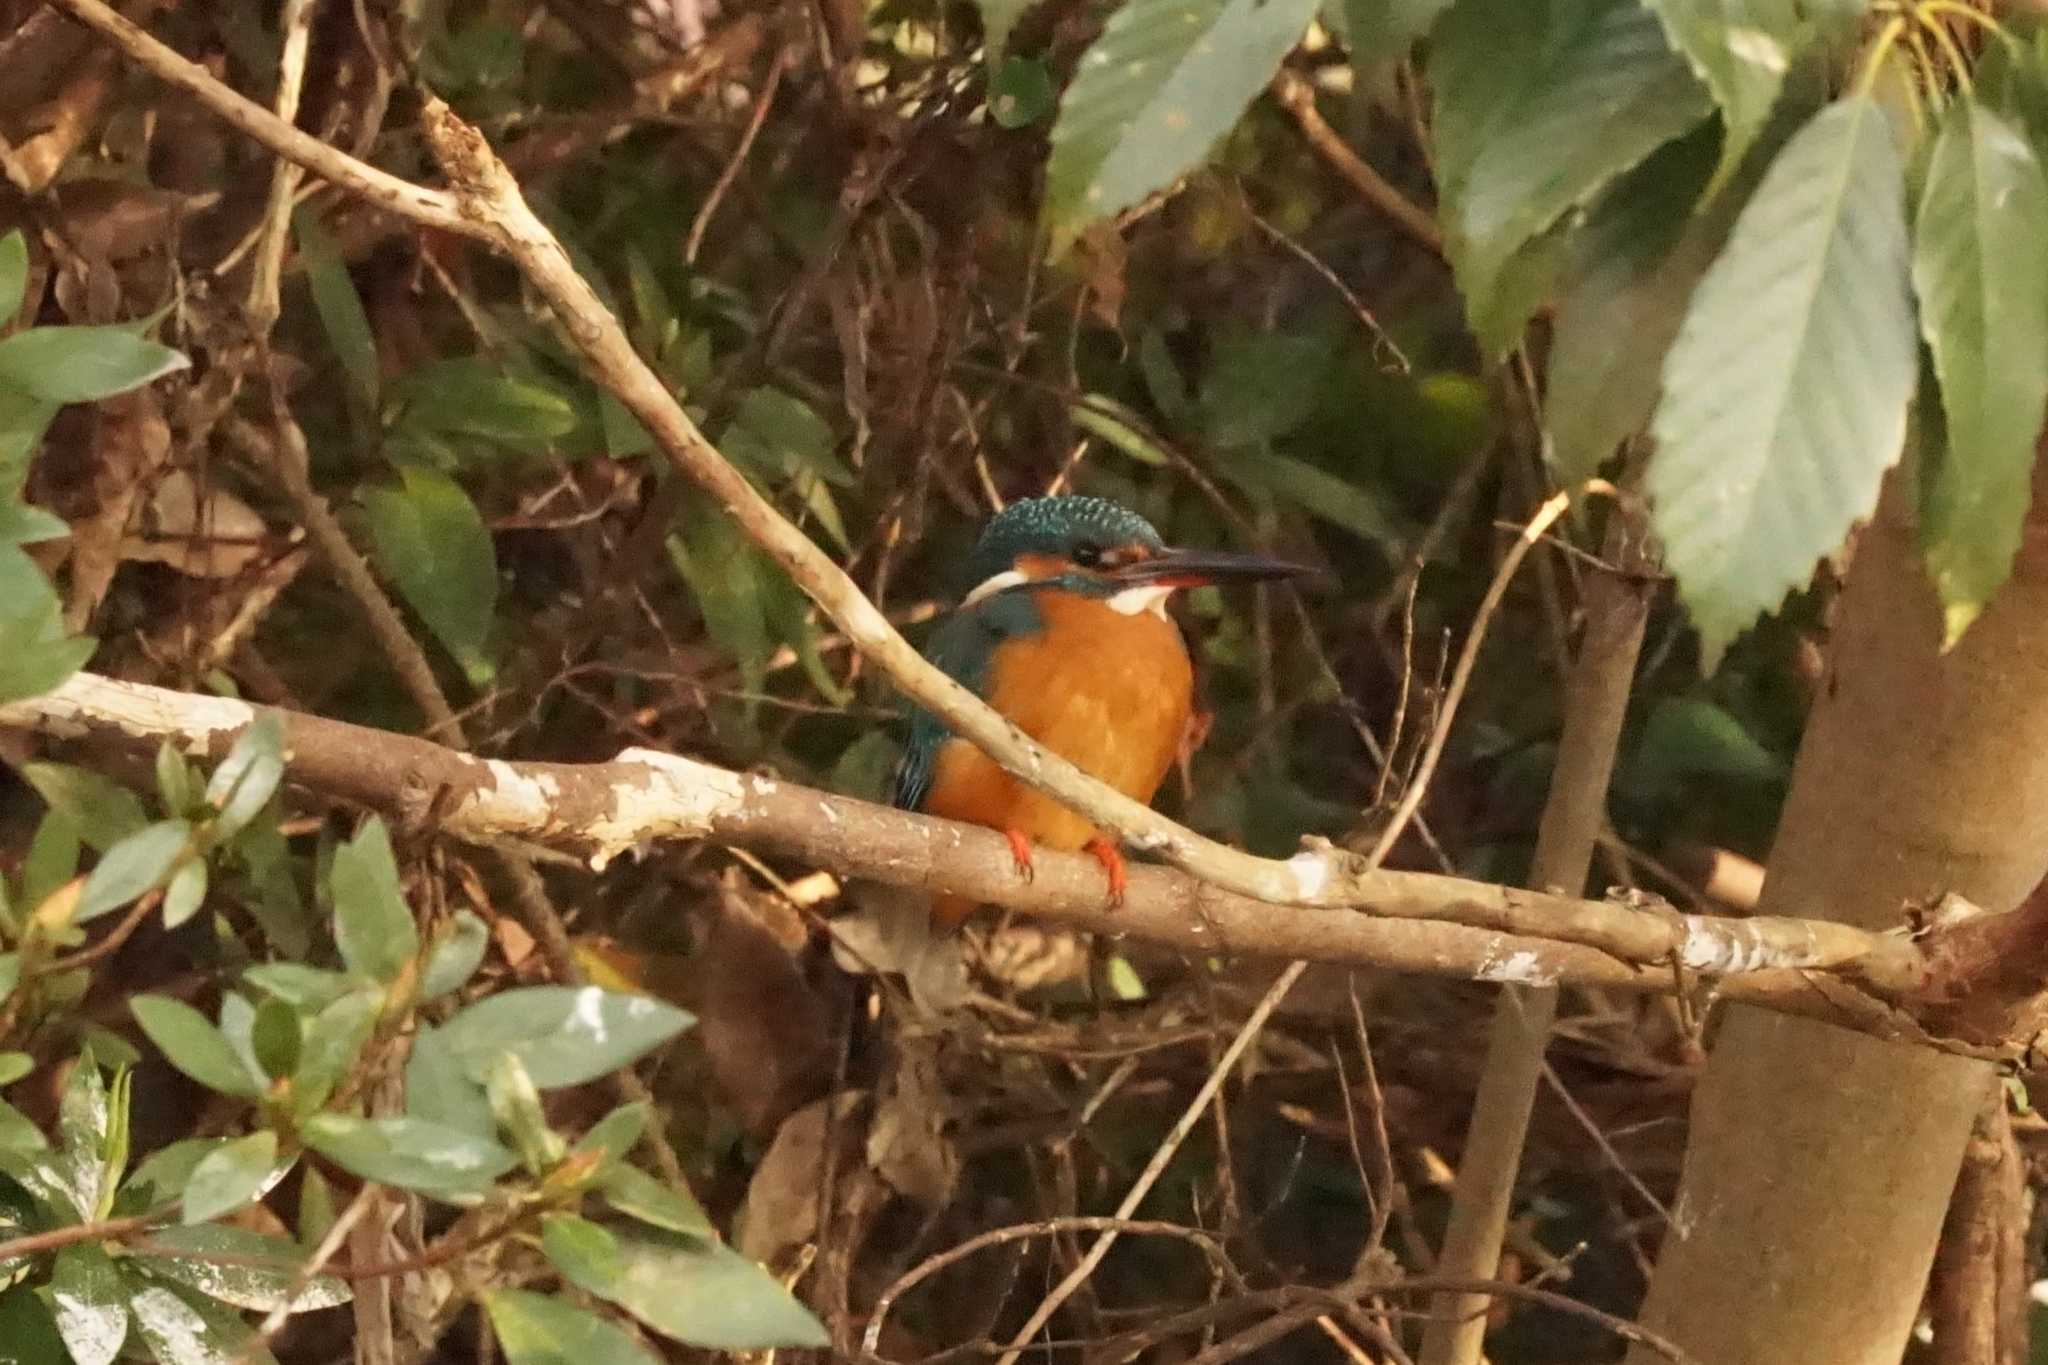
[1063,629]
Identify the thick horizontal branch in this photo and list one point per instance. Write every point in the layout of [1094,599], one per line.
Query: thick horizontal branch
[1412,922]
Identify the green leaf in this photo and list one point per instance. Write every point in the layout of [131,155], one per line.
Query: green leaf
[777,434]
[23,420]
[316,1208]
[1741,50]
[535,1330]
[163,1174]
[1380,32]
[439,1089]
[52,858]
[1116,424]
[639,1195]
[515,1104]
[174,779]
[276,1038]
[332,1045]
[1020,93]
[137,864]
[1687,738]
[1785,394]
[15,1065]
[1161,86]
[474,396]
[1633,268]
[700,1293]
[89,1300]
[615,1135]
[185,1330]
[1518,142]
[230,1177]
[410,1153]
[83,364]
[373,925]
[102,810]
[266,1270]
[338,306]
[725,576]
[193,1045]
[295,983]
[1321,494]
[562,1035]
[1261,387]
[92,1126]
[456,953]
[187,892]
[27,1334]
[246,778]
[1982,277]
[429,538]
[35,655]
[13,274]
[587,1254]
[22,524]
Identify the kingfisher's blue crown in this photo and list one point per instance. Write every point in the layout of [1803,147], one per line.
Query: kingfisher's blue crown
[1055,526]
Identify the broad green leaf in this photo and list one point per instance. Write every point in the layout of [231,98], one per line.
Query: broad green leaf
[373,925]
[137,864]
[1380,32]
[309,988]
[35,655]
[562,1035]
[699,1292]
[456,953]
[1538,107]
[316,1208]
[193,1045]
[585,1252]
[23,524]
[333,1043]
[28,1336]
[1261,387]
[474,396]
[1154,93]
[338,306]
[1020,93]
[726,577]
[15,1065]
[439,1089]
[429,538]
[246,778]
[639,1195]
[176,783]
[266,1270]
[92,1130]
[410,1153]
[1785,394]
[535,1330]
[615,1135]
[89,1300]
[776,434]
[102,810]
[186,893]
[1982,277]
[276,1038]
[229,1177]
[52,859]
[1741,50]
[1321,494]
[82,364]
[162,1175]
[1687,738]
[13,274]
[182,1329]
[1633,268]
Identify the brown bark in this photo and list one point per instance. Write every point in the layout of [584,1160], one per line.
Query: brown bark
[1821,1161]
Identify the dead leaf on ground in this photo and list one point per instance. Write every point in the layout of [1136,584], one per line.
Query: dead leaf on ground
[210,535]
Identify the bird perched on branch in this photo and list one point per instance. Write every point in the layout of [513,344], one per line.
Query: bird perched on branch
[1064,630]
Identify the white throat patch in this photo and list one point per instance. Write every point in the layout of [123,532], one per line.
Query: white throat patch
[1146,597]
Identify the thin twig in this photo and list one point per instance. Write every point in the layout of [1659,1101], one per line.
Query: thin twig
[719,189]
[1298,98]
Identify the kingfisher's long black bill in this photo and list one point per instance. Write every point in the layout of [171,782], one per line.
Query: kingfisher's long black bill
[1197,568]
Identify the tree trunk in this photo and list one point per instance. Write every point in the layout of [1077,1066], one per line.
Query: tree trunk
[1821,1161]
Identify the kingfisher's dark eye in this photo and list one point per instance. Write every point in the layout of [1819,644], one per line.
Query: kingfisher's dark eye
[1089,556]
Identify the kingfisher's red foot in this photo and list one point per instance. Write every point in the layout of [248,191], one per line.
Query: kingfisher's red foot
[1020,850]
[1111,857]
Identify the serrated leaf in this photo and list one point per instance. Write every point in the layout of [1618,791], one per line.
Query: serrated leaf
[1642,251]
[102,810]
[266,1268]
[533,1329]
[373,925]
[1741,50]
[13,274]
[562,1035]
[89,1300]
[1785,394]
[193,1045]
[700,1293]
[183,1330]
[1982,278]
[1538,108]
[410,1153]
[428,537]
[137,864]
[338,306]
[229,1177]
[1161,86]
[83,364]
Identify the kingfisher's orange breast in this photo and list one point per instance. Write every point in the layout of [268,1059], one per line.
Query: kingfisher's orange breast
[1107,691]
